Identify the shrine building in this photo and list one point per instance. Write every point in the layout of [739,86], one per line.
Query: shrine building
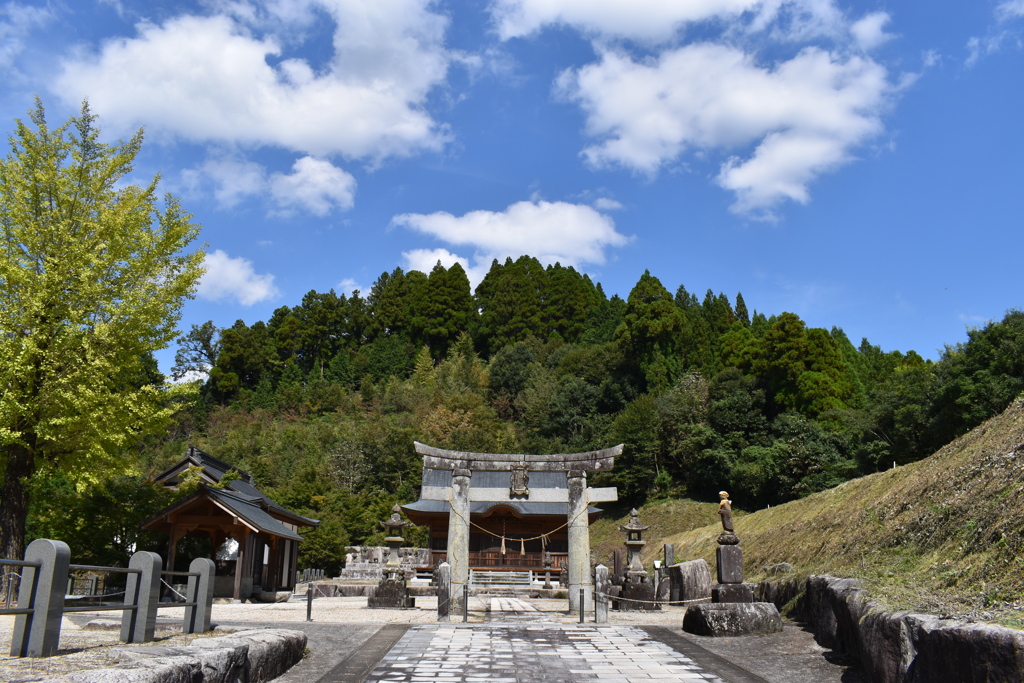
[265,547]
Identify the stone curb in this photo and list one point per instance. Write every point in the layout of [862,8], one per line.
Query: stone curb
[899,647]
[243,657]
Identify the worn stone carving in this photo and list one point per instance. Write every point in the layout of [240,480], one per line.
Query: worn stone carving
[520,480]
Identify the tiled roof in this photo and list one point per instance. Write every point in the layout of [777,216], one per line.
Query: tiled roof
[242,488]
[251,512]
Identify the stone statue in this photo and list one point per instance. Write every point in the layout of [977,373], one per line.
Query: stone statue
[728,535]
[725,510]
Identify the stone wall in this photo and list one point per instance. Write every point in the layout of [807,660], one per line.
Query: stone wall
[366,563]
[899,647]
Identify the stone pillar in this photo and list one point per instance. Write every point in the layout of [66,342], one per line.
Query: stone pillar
[579,542]
[601,585]
[458,533]
[670,556]
[444,591]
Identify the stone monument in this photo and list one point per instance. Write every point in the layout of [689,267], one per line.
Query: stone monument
[733,611]
[638,591]
[392,592]
[730,586]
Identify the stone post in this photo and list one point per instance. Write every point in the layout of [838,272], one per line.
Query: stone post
[579,542]
[41,588]
[458,533]
[670,556]
[601,586]
[444,591]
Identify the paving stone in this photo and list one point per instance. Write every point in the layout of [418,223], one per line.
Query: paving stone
[548,653]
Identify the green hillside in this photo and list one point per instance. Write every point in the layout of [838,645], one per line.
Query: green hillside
[943,535]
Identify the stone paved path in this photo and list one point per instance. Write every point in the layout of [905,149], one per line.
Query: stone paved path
[538,653]
[515,610]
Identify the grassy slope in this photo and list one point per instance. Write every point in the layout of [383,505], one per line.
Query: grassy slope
[945,534]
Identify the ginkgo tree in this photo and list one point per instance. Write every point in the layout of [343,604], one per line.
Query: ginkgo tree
[94,270]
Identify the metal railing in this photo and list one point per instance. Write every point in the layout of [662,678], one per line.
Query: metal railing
[44,577]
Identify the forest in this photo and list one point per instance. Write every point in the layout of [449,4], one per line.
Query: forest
[321,403]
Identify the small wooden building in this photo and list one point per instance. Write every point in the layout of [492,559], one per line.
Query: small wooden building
[266,534]
[544,524]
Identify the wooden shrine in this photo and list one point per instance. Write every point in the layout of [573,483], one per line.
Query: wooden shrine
[265,534]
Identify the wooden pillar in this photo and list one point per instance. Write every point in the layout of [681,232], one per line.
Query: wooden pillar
[273,564]
[243,559]
[172,549]
[294,565]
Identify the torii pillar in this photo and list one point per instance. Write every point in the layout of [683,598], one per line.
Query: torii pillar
[577,497]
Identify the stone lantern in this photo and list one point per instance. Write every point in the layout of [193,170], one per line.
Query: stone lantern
[637,590]
[392,591]
[395,540]
[634,543]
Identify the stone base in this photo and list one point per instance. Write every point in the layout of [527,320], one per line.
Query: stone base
[391,594]
[631,595]
[380,603]
[732,619]
[732,592]
[272,596]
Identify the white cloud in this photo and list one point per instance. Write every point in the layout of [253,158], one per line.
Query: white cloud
[233,179]
[659,20]
[424,261]
[573,234]
[1010,9]
[803,116]
[605,204]
[869,32]
[348,287]
[16,22]
[234,278]
[218,79]
[315,185]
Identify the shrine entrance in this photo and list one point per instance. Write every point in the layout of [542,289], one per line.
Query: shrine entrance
[510,510]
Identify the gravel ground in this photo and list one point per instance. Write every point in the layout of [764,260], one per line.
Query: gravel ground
[82,648]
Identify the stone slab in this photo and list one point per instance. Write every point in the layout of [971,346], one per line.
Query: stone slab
[732,592]
[693,579]
[732,619]
[730,564]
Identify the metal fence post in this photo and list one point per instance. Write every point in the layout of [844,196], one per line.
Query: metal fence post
[41,589]
[309,602]
[583,603]
[465,603]
[200,591]
[141,591]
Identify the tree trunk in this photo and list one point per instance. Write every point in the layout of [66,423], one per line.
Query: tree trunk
[14,502]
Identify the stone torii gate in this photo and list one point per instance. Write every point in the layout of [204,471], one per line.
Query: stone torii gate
[577,495]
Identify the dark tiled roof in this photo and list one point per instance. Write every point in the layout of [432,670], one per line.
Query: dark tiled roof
[251,512]
[483,507]
[242,488]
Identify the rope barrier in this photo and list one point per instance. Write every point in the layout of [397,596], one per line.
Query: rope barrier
[543,538]
[108,595]
[651,602]
[174,591]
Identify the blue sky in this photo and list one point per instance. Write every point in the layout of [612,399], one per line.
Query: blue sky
[858,163]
